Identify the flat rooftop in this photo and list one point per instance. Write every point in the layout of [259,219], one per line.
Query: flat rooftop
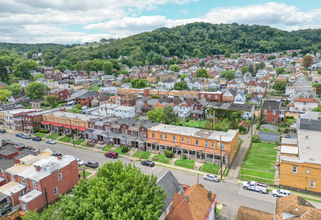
[72,115]
[289,150]
[195,132]
[11,188]
[30,196]
[309,150]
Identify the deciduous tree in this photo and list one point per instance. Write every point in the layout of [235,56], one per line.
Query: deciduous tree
[4,93]
[170,116]
[108,67]
[36,90]
[202,73]
[180,86]
[280,86]
[307,61]
[51,100]
[174,68]
[15,88]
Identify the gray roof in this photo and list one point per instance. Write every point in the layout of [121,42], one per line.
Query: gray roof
[170,185]
[88,94]
[255,99]
[270,127]
[269,133]
[271,105]
[312,125]
[241,107]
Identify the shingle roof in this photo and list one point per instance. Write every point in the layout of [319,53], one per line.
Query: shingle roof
[245,213]
[88,94]
[271,105]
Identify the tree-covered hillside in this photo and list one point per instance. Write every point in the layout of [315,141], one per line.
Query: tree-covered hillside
[35,48]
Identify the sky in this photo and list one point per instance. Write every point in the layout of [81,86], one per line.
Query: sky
[80,21]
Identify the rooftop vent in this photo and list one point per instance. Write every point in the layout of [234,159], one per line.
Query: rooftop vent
[296,209]
[308,147]
[312,159]
[306,137]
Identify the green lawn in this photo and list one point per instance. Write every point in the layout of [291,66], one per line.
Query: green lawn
[144,154]
[258,174]
[40,134]
[245,177]
[65,139]
[94,88]
[210,168]
[185,163]
[86,173]
[118,150]
[79,141]
[107,148]
[53,136]
[261,157]
[162,158]
[193,123]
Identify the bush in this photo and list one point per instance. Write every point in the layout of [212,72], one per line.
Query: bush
[68,135]
[255,138]
[168,153]
[289,117]
[124,149]
[61,101]
[184,157]
[35,130]
[59,133]
[44,131]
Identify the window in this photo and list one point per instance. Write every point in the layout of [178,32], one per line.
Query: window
[307,171]
[294,169]
[21,193]
[209,96]
[312,185]
[45,118]
[57,120]
[206,144]
[182,140]
[84,124]
[161,136]
[187,141]
[304,103]
[212,144]
[55,190]
[173,138]
[2,172]
[273,112]
[59,176]
[223,146]
[216,97]
[153,135]
[34,183]
[22,180]
[264,111]
[273,120]
[12,177]
[196,142]
[165,137]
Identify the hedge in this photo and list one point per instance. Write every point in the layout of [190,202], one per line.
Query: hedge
[168,153]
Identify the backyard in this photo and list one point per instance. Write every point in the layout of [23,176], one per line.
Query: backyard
[205,124]
[53,136]
[185,163]
[259,164]
[144,154]
[162,159]
[210,168]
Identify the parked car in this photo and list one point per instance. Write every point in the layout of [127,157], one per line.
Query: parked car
[111,154]
[80,162]
[55,154]
[5,141]
[36,139]
[280,192]
[26,136]
[3,131]
[92,164]
[211,177]
[185,187]
[19,135]
[50,141]
[255,186]
[148,163]
[287,136]
[18,144]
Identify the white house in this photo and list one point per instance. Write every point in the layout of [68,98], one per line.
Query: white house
[184,109]
[168,83]
[240,98]
[125,112]
[79,79]
[303,105]
[108,90]
[197,85]
[106,110]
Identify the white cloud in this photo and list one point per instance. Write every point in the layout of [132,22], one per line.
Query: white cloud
[185,11]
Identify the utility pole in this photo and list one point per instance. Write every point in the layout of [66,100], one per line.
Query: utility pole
[140,151]
[221,156]
[72,134]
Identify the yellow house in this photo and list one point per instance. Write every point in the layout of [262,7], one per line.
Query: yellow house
[2,121]
[197,144]
[64,121]
[304,170]
[79,86]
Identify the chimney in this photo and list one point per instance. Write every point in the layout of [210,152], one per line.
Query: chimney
[209,195]
[186,198]
[38,168]
[16,161]
[59,157]
[269,107]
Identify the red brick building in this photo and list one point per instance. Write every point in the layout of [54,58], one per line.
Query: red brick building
[198,109]
[211,96]
[85,99]
[273,112]
[129,100]
[60,93]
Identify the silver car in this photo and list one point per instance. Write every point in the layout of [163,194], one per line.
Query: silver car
[50,141]
[80,162]
[280,193]
[211,177]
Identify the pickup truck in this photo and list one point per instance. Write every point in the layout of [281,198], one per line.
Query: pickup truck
[255,186]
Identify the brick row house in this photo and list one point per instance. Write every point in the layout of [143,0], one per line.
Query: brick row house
[198,109]
[60,93]
[86,99]
[273,112]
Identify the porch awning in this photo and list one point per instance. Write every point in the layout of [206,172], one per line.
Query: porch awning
[115,126]
[89,131]
[98,132]
[104,134]
[133,129]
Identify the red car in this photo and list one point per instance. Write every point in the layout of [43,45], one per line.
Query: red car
[111,154]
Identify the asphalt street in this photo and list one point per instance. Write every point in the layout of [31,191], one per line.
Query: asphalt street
[228,192]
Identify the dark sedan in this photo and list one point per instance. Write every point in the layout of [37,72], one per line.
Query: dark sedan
[3,131]
[148,163]
[19,135]
[37,139]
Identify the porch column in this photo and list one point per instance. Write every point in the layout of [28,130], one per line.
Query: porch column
[205,156]
[226,160]
[188,154]
[195,154]
[213,159]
